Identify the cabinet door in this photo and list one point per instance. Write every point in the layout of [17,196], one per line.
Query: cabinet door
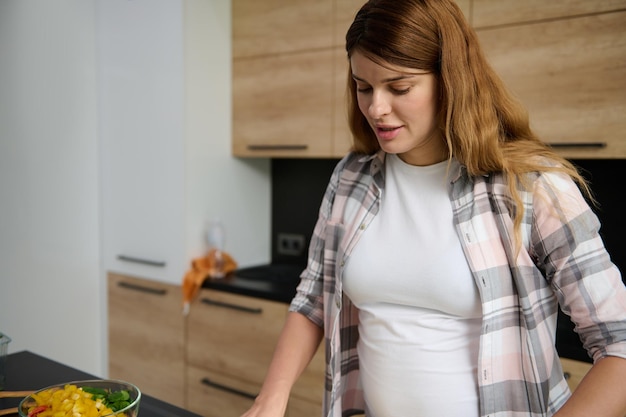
[570,75]
[233,335]
[211,394]
[502,12]
[282,105]
[140,52]
[146,336]
[574,371]
[262,27]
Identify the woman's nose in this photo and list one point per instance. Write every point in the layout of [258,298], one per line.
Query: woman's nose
[379,106]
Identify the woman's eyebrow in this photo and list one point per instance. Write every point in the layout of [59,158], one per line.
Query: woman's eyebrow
[388,80]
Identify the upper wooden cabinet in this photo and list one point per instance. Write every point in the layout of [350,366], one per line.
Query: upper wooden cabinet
[262,27]
[564,59]
[504,12]
[570,74]
[282,105]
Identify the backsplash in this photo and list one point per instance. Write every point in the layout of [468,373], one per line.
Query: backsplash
[298,186]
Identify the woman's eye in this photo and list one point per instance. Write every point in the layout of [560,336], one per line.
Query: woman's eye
[400,91]
[364,89]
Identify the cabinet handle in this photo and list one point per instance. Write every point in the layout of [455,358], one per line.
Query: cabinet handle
[567,375]
[141,261]
[208,382]
[251,310]
[141,288]
[598,145]
[278,147]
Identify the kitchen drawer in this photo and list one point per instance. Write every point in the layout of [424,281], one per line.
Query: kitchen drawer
[233,334]
[211,394]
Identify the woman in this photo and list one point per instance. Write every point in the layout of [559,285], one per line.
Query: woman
[445,242]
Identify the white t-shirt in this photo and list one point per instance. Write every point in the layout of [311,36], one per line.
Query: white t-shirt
[419,308]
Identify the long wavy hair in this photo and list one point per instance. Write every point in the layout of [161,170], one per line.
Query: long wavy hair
[485,128]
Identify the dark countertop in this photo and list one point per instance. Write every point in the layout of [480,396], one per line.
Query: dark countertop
[27,371]
[276,282]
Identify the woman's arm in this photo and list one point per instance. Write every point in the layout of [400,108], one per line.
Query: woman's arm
[296,346]
[602,392]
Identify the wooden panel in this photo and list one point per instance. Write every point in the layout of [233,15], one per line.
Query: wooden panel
[146,336]
[277,26]
[571,74]
[283,101]
[574,371]
[344,13]
[234,337]
[213,395]
[303,408]
[498,12]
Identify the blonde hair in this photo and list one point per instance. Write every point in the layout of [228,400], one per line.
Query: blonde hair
[485,128]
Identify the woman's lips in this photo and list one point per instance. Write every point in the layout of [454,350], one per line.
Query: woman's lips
[387,132]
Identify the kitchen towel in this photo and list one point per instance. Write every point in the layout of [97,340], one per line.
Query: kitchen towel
[215,264]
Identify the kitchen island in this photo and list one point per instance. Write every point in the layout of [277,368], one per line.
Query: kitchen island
[28,371]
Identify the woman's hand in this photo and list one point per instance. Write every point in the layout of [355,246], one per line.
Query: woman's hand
[266,409]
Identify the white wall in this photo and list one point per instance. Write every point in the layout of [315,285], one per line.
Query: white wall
[52,299]
[218,185]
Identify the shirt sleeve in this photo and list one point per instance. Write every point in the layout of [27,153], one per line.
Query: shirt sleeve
[309,298]
[569,248]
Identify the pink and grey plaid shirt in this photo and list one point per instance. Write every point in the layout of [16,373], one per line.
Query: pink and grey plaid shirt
[562,260]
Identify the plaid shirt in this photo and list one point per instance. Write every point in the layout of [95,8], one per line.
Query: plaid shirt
[562,260]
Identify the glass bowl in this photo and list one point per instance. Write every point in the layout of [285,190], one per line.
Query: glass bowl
[78,398]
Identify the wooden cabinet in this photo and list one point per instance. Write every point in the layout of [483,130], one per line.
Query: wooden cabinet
[282,105]
[505,12]
[147,336]
[285,67]
[564,60]
[570,75]
[270,27]
[574,371]
[230,344]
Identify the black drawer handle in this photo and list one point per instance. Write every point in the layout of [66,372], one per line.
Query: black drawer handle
[209,383]
[251,310]
[141,261]
[567,375]
[277,147]
[586,145]
[142,288]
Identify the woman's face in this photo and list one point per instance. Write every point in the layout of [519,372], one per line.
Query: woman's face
[400,105]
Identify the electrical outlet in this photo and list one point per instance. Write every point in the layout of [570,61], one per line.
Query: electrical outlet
[290,244]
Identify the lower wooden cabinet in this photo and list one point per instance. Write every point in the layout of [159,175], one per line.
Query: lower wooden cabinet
[212,362]
[574,371]
[213,395]
[147,336]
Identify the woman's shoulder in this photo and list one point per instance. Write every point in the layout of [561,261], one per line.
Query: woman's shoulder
[359,164]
